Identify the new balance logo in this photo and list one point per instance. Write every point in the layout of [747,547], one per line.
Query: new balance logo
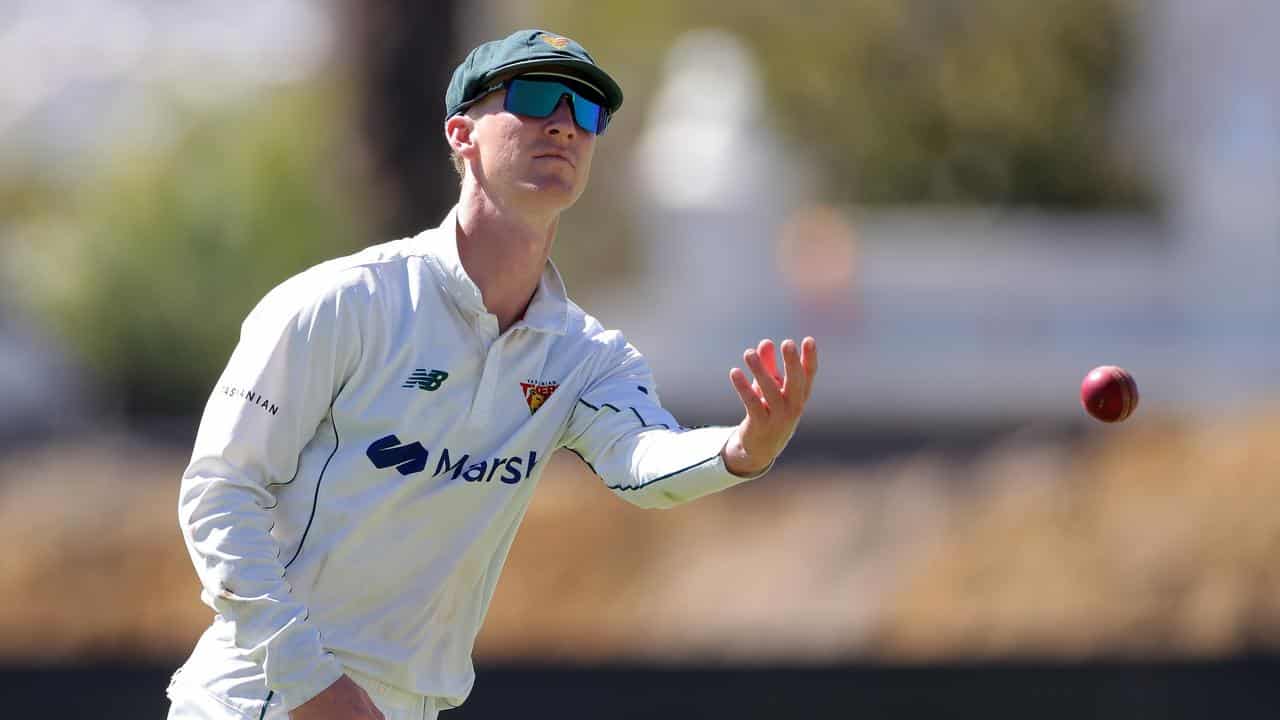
[426,380]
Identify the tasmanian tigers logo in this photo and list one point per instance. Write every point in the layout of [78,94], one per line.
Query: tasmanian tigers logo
[536,393]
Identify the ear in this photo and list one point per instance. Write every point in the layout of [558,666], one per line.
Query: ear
[459,130]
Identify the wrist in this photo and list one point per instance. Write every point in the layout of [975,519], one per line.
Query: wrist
[740,462]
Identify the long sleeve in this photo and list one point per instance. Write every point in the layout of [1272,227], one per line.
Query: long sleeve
[296,350]
[620,429]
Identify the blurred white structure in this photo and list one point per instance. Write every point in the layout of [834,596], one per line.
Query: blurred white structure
[1213,96]
[717,185]
[983,315]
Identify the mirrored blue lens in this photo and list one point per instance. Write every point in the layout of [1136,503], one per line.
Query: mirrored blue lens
[590,116]
[539,98]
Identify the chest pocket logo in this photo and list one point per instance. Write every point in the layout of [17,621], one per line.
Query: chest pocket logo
[536,393]
[423,379]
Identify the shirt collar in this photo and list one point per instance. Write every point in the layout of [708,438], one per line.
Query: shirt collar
[547,312]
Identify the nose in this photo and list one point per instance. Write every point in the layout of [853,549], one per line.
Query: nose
[561,121]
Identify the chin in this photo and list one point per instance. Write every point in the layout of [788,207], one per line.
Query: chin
[553,193]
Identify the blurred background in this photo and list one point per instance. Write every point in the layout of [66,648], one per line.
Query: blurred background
[970,204]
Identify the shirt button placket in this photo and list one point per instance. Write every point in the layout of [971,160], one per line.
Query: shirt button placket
[482,406]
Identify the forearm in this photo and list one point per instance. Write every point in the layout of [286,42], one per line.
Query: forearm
[227,531]
[659,468]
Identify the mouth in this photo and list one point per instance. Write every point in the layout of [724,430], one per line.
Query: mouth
[554,156]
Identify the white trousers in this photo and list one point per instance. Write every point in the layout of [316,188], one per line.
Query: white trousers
[196,703]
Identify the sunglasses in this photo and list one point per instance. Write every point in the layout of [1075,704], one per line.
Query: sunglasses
[540,98]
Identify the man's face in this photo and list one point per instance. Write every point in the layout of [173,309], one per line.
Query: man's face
[545,161]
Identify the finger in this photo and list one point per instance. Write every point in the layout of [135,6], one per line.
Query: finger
[796,385]
[768,385]
[750,399]
[809,358]
[769,356]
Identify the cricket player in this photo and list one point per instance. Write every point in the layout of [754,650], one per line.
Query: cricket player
[368,453]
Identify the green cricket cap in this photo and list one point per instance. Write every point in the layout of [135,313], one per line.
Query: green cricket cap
[528,51]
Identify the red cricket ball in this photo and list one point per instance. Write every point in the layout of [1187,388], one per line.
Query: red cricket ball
[1109,393]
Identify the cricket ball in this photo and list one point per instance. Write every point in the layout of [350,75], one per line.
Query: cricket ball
[1109,393]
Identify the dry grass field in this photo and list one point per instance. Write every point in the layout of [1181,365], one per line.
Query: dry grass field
[1149,539]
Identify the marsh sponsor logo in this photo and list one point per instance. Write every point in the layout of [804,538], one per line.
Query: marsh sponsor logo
[412,458]
[253,397]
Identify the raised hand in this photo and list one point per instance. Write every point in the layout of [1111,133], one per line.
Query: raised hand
[773,401]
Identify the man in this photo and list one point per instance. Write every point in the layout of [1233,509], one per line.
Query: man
[365,460]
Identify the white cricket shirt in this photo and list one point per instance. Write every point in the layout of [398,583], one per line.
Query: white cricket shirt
[368,453]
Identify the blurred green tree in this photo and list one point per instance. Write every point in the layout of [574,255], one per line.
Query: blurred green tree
[978,102]
[149,268]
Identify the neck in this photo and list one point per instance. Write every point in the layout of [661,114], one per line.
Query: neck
[503,250]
